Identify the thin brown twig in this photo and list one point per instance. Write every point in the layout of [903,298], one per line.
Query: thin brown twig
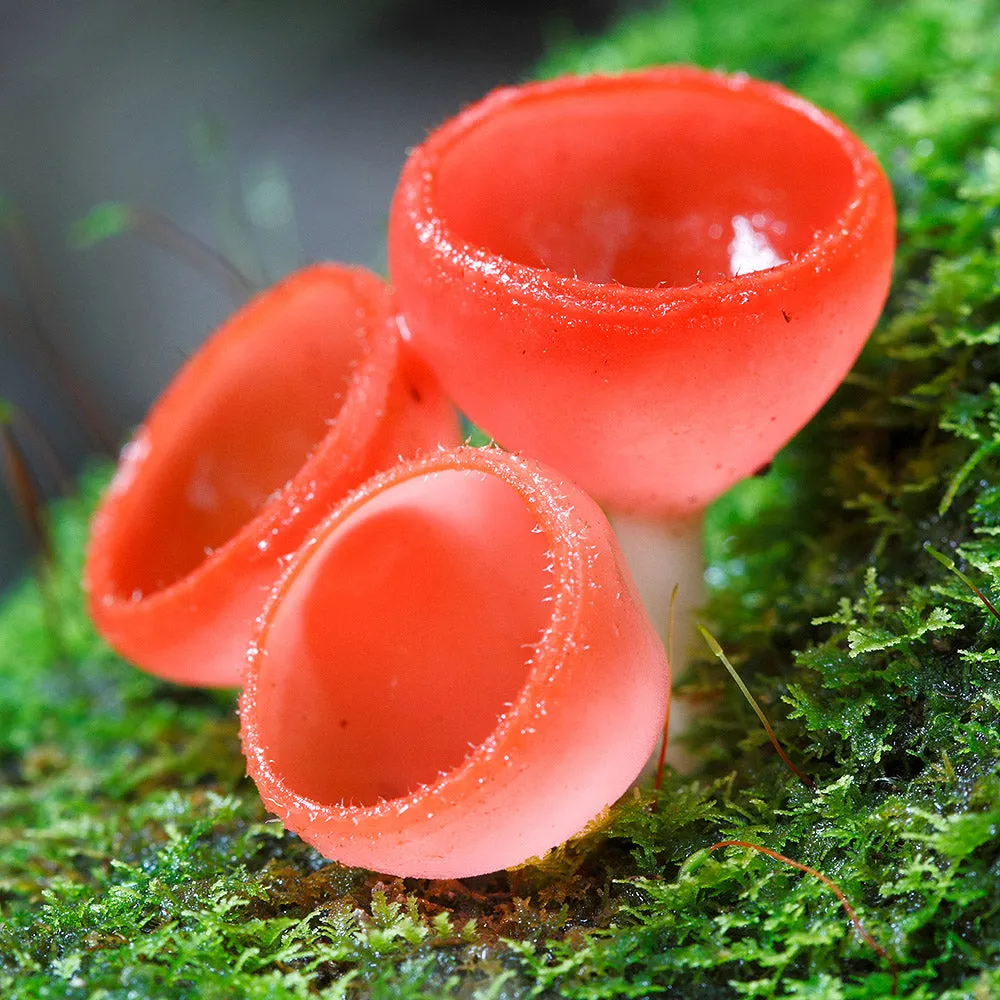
[950,564]
[28,500]
[161,231]
[834,888]
[40,330]
[23,489]
[661,763]
[714,646]
[29,429]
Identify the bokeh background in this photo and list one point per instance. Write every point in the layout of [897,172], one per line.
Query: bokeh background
[272,130]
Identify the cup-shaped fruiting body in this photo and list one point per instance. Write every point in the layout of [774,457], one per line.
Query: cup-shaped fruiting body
[454,673]
[649,281]
[299,397]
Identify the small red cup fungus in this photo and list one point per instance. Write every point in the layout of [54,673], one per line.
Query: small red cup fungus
[299,397]
[454,673]
[648,281]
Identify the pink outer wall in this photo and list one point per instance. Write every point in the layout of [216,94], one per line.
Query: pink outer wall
[654,399]
[574,739]
[195,630]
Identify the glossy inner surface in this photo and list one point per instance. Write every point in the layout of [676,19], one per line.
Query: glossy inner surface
[403,639]
[242,433]
[645,186]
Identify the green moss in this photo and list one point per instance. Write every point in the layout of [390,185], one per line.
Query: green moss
[135,858]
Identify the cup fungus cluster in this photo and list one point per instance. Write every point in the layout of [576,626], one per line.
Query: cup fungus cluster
[648,282]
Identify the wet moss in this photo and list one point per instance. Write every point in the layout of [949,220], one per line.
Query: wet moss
[136,860]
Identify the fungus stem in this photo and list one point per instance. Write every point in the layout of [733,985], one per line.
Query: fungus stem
[714,646]
[667,561]
[833,887]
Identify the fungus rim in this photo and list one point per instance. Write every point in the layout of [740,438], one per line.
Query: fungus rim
[356,419]
[419,196]
[549,506]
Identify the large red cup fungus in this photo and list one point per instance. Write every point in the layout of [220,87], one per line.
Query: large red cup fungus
[299,397]
[648,281]
[454,673]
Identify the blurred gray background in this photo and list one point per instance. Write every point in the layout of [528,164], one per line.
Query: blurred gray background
[274,131]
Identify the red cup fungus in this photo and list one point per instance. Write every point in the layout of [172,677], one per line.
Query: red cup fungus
[648,281]
[454,673]
[299,397]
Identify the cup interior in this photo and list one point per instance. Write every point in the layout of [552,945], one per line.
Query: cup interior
[645,185]
[241,423]
[396,645]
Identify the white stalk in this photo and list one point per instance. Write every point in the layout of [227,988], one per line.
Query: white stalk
[661,555]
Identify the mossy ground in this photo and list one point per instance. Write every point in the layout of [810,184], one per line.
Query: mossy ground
[135,858]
